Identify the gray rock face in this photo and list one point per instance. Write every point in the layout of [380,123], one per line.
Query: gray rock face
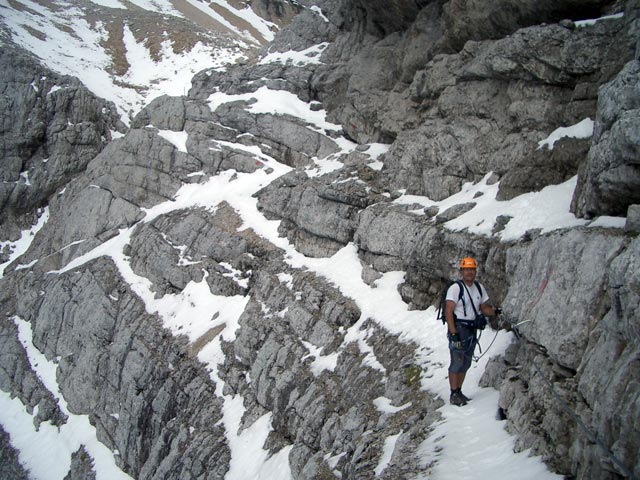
[312,408]
[52,127]
[531,410]
[134,172]
[321,216]
[557,285]
[598,349]
[468,20]
[277,11]
[390,238]
[148,399]
[610,179]
[383,18]
[633,219]
[18,378]
[187,245]
[547,54]
[521,99]
[290,140]
[81,466]
[163,113]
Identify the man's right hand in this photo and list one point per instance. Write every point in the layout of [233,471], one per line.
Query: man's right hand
[454,341]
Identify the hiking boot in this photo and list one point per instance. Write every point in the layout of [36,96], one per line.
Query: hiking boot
[457,399]
[464,397]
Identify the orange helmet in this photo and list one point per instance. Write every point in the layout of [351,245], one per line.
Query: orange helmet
[468,262]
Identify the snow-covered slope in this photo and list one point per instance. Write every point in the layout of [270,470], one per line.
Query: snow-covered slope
[122,55]
[186,314]
[132,52]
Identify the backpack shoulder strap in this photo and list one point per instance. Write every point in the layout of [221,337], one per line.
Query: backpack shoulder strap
[479,288]
[461,295]
[443,301]
[475,311]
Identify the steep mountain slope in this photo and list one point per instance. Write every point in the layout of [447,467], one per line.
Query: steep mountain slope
[131,52]
[126,53]
[238,285]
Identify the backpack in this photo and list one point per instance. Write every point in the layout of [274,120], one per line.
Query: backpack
[443,298]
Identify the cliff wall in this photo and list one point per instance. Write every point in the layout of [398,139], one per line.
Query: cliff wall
[456,90]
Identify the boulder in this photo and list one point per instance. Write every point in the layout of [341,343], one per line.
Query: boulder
[633,219]
[321,214]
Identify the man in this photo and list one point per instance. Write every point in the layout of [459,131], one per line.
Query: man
[465,300]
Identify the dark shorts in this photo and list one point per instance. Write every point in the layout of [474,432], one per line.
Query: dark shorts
[461,359]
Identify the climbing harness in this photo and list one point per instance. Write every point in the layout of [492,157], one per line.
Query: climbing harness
[475,323]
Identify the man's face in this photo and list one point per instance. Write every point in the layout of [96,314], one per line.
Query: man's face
[468,274]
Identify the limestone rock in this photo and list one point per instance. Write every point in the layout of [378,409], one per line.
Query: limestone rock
[279,12]
[600,401]
[468,20]
[390,238]
[10,467]
[454,212]
[557,285]
[307,404]
[518,102]
[633,219]
[613,348]
[609,181]
[460,89]
[186,246]
[18,377]
[164,113]
[383,18]
[148,399]
[81,466]
[52,127]
[530,408]
[322,214]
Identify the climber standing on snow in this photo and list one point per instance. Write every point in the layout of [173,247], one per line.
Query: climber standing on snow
[465,310]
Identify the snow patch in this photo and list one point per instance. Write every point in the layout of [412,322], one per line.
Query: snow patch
[178,139]
[276,102]
[583,129]
[309,56]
